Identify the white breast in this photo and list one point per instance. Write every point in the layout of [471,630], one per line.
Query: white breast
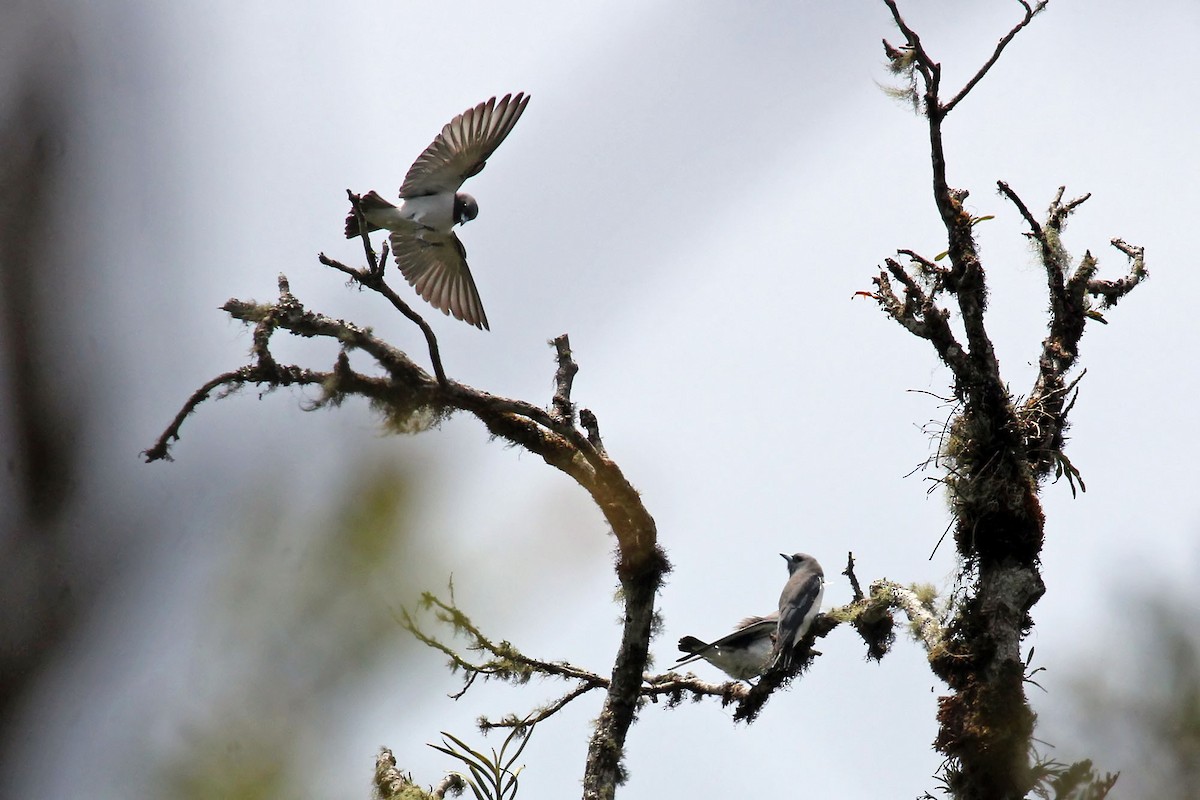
[743,664]
[430,211]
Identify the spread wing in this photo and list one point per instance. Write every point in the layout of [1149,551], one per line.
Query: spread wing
[463,146]
[436,266]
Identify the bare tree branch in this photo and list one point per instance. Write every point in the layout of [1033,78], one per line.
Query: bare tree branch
[1110,292]
[965,279]
[920,314]
[995,451]
[409,398]
[1003,43]
[869,615]
[1044,413]
[849,573]
[372,278]
[563,379]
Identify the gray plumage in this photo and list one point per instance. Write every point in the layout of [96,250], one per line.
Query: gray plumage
[742,655]
[799,604]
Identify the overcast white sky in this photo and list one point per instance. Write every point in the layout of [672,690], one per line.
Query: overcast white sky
[694,195]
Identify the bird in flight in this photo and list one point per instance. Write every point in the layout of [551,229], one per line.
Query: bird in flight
[428,252]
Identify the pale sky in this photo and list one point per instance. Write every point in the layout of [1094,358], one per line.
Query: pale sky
[694,196]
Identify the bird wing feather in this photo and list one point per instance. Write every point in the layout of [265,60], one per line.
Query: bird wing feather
[749,628]
[462,148]
[796,605]
[436,266]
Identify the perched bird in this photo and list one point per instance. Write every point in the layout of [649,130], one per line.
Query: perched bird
[428,252]
[742,655]
[799,604]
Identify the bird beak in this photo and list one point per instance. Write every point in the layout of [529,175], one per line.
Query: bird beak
[784,556]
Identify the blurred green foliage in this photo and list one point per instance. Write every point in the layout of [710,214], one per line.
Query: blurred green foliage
[297,615]
[1140,703]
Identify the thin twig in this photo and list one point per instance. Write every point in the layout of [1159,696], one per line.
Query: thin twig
[929,267]
[545,711]
[1030,220]
[161,448]
[374,264]
[374,280]
[1030,13]
[849,573]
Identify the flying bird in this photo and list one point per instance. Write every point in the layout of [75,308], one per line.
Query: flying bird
[427,250]
[799,604]
[742,655]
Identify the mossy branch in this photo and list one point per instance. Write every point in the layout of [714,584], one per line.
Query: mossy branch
[410,400]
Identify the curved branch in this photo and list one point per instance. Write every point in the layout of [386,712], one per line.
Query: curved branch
[925,625]
[233,380]
[407,391]
[870,616]
[1110,292]
[392,784]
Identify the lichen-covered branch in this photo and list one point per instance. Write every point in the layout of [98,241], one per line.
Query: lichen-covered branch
[1110,292]
[1043,415]
[392,784]
[871,617]
[410,399]
[920,313]
[372,277]
[504,661]
[915,604]
[564,379]
[996,452]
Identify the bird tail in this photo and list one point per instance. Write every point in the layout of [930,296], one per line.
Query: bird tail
[781,653]
[353,228]
[694,649]
[371,201]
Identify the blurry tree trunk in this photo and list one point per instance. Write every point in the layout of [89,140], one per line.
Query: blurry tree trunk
[40,426]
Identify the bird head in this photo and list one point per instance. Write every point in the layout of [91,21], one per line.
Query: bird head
[465,208]
[797,560]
